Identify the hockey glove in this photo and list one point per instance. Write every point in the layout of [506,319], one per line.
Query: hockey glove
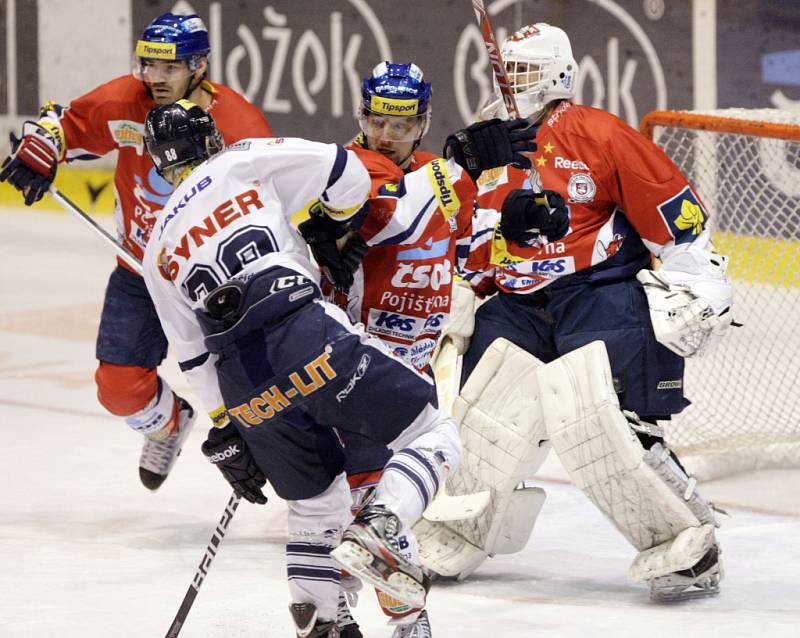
[527,216]
[486,145]
[321,233]
[353,252]
[226,449]
[31,166]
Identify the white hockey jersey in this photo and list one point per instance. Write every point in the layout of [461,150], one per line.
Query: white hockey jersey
[233,217]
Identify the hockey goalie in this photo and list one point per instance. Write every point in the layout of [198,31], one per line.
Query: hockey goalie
[583,345]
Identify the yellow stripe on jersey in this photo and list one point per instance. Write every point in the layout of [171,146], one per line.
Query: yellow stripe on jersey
[500,255]
[219,417]
[303,214]
[439,176]
[342,214]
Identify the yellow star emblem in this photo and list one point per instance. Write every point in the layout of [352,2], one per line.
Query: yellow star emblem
[691,217]
[548,148]
[541,161]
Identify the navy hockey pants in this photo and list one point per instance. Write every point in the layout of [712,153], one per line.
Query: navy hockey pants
[569,314]
[130,333]
[293,367]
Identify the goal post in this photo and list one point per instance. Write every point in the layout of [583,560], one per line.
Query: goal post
[745,166]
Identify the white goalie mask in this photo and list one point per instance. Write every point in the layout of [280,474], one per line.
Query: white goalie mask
[538,60]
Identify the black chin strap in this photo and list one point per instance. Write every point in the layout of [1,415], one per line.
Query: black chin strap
[191,87]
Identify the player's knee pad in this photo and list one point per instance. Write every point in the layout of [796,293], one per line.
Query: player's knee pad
[504,442]
[124,390]
[644,492]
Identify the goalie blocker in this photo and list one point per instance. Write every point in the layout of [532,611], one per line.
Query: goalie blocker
[506,432]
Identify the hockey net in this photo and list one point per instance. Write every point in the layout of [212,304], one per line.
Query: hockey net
[745,166]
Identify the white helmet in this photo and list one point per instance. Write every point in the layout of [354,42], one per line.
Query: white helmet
[540,67]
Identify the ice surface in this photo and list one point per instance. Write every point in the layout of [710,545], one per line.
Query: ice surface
[86,551]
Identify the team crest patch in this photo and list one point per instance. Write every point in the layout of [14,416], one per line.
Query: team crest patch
[685,215]
[581,188]
[127,133]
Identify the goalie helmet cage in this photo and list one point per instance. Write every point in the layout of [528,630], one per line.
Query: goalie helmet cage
[745,166]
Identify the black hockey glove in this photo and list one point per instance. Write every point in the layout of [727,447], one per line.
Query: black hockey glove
[226,449]
[526,216]
[353,252]
[321,233]
[486,145]
[31,166]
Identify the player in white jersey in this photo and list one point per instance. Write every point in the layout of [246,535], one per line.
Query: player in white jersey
[240,303]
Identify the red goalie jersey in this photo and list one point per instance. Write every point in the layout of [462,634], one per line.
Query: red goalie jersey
[626,200]
[111,117]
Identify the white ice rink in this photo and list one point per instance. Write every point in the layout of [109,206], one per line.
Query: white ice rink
[86,551]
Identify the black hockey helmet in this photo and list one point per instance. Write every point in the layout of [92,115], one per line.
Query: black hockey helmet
[180,133]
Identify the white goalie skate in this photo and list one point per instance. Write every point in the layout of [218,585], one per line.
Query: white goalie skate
[159,455]
[700,581]
[369,550]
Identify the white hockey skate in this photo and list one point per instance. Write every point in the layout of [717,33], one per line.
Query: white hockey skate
[700,581]
[159,454]
[369,550]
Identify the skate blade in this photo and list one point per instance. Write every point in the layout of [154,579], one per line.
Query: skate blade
[667,596]
[361,563]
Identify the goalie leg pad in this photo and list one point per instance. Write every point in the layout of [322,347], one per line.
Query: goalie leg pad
[643,493]
[504,442]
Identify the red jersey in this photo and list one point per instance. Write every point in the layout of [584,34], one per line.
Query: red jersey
[626,201]
[417,222]
[111,117]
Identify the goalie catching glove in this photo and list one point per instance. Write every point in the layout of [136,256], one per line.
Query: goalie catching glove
[689,298]
[486,145]
[228,451]
[527,217]
[31,166]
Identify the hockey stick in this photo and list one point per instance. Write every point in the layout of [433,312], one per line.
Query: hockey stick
[445,507]
[501,76]
[126,255]
[205,563]
[498,68]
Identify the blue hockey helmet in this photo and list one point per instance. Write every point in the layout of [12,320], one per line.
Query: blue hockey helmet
[174,37]
[395,91]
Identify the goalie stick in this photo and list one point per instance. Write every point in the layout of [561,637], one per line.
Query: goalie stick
[501,76]
[495,59]
[202,569]
[125,254]
[445,507]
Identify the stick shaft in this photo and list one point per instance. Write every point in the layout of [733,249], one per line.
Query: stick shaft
[73,208]
[202,569]
[498,68]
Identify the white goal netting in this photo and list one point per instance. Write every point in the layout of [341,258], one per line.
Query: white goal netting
[745,166]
